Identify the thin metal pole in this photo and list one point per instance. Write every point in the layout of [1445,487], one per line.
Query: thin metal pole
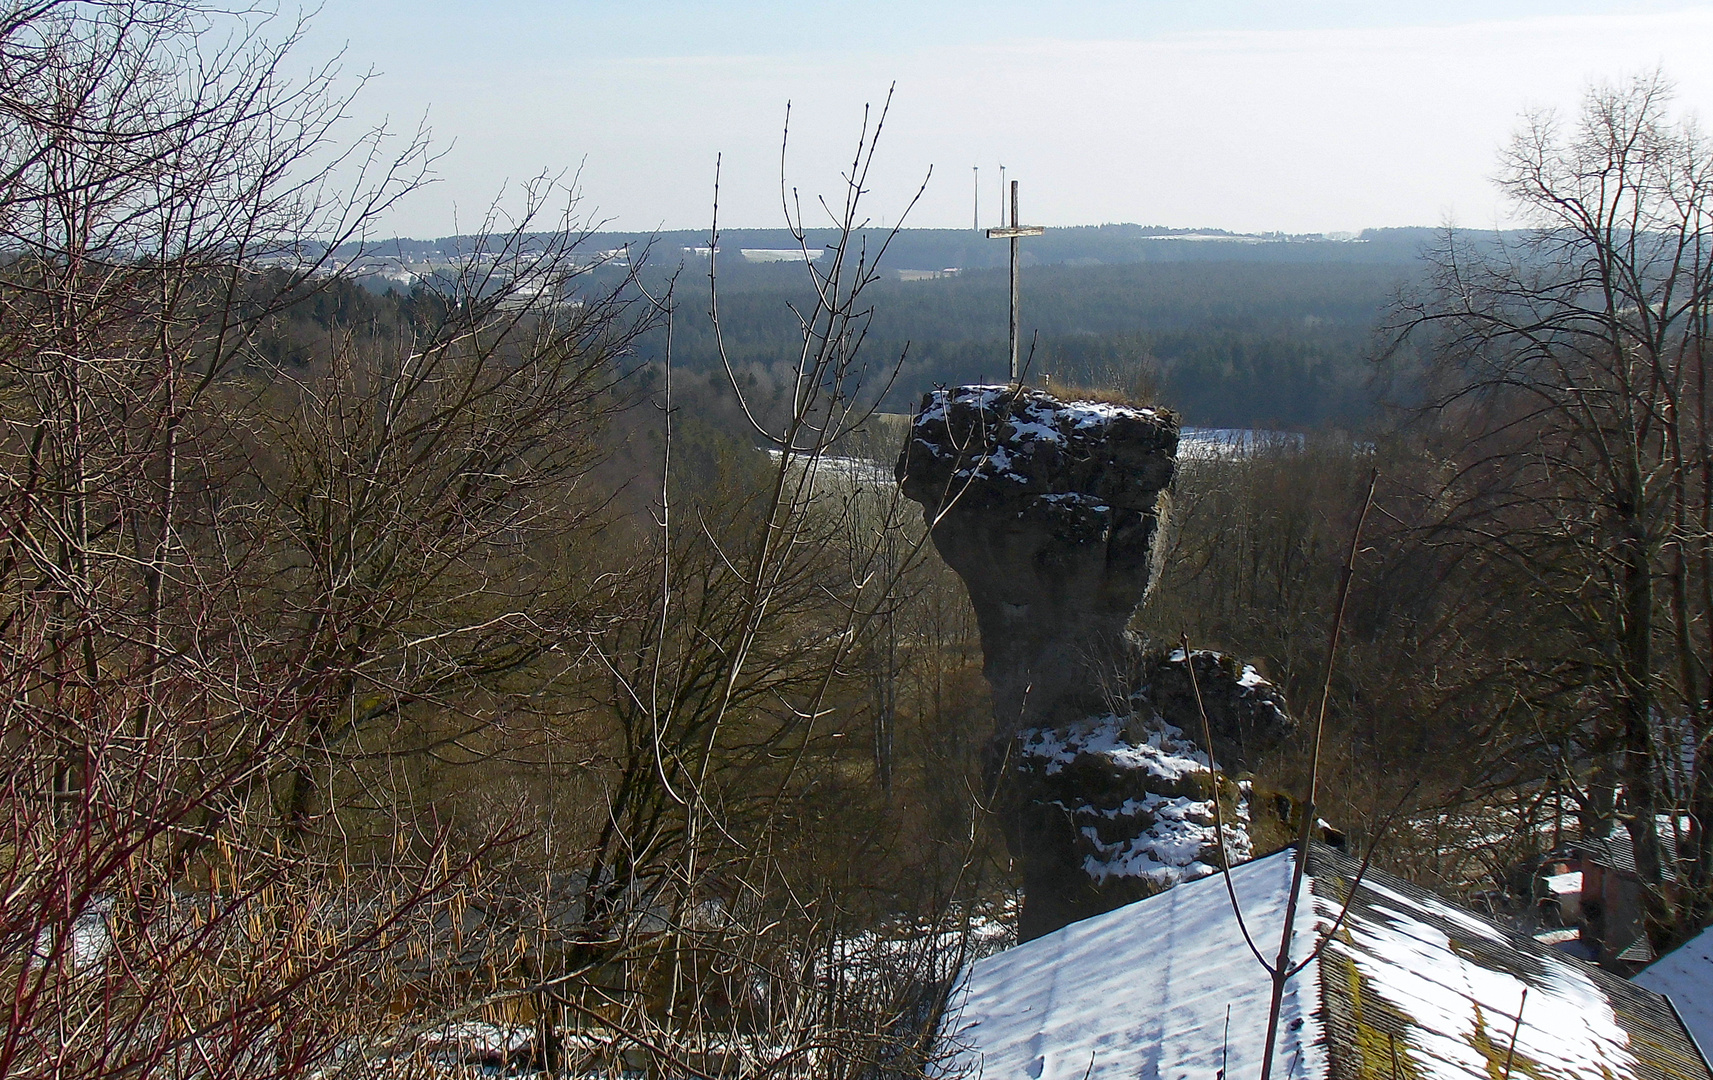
[975,220]
[1015,220]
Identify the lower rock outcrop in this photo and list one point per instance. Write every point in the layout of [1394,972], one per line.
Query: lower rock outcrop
[1121,806]
[1049,511]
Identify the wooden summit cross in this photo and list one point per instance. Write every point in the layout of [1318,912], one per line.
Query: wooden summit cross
[1013,232]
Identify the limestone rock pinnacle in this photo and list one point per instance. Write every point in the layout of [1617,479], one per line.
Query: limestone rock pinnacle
[1048,510]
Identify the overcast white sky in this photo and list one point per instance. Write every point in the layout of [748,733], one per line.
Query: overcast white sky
[1307,116]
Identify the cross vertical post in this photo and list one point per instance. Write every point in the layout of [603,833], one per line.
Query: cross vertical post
[1014,232]
[1015,328]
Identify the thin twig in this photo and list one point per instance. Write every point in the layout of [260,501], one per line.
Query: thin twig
[1282,967]
[1225,1042]
[1511,1053]
[1218,820]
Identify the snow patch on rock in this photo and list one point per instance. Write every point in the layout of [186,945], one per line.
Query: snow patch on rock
[1174,834]
[1164,753]
[1018,423]
[1169,851]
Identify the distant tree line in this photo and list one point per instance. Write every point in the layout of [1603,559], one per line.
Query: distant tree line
[1228,343]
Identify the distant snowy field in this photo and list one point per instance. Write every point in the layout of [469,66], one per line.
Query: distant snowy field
[1208,443]
[1194,443]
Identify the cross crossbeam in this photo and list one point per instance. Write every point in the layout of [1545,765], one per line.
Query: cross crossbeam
[1014,232]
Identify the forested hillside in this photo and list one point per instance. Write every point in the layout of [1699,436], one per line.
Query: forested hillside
[1231,331]
[1229,343]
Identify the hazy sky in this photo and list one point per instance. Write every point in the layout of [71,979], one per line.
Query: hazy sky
[1309,115]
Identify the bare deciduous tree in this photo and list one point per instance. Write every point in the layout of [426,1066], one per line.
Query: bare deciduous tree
[338,708]
[1572,369]
[244,601]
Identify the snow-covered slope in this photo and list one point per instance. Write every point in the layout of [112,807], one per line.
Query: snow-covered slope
[1140,992]
[1409,985]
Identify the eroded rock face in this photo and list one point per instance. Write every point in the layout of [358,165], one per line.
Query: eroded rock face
[1049,511]
[1246,714]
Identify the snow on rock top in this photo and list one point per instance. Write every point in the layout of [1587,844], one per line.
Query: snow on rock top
[1163,752]
[1029,442]
[1037,414]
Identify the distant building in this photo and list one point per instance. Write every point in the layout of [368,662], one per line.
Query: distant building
[1408,986]
[1608,902]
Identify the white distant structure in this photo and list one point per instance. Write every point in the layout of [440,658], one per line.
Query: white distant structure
[1220,238]
[927,275]
[773,255]
[1408,986]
